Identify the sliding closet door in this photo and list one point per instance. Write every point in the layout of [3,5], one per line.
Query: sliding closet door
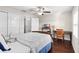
[31,24]
[34,24]
[3,23]
[27,24]
[13,23]
[21,24]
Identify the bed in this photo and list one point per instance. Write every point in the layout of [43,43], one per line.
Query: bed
[12,47]
[16,47]
[39,43]
[30,43]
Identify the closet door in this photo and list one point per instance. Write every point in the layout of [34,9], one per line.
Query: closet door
[21,24]
[13,23]
[27,24]
[34,24]
[3,23]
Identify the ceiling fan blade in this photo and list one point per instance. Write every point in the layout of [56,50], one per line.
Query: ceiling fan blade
[46,12]
[23,10]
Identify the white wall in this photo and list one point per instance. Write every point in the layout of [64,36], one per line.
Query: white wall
[46,19]
[75,40]
[59,20]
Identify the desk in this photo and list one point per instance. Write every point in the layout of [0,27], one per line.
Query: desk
[45,32]
[66,33]
[46,28]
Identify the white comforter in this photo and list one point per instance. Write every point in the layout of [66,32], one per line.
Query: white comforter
[36,41]
[16,47]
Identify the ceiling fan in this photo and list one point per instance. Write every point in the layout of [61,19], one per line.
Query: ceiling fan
[40,10]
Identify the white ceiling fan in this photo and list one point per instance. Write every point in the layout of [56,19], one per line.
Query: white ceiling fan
[40,10]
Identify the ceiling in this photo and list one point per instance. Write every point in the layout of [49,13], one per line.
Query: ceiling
[49,8]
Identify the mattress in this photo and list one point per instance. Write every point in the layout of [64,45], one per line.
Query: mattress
[36,41]
[16,47]
[46,49]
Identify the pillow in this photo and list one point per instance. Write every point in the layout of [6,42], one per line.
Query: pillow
[3,45]
[3,48]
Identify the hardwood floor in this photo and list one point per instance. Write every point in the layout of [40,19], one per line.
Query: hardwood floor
[59,47]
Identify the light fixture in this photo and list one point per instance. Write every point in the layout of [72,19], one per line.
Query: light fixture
[40,13]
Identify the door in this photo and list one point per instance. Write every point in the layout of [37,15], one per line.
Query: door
[3,23]
[34,24]
[27,24]
[13,23]
[21,24]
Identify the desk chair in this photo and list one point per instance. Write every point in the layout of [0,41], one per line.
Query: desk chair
[59,34]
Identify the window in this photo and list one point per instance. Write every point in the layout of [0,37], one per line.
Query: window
[75,23]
